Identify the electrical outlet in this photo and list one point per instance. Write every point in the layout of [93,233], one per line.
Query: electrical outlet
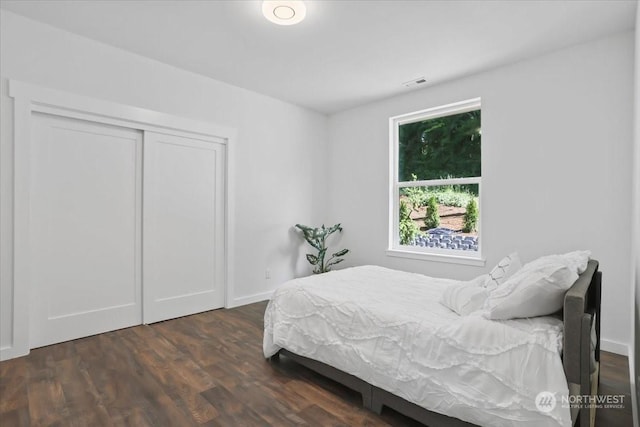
[267,274]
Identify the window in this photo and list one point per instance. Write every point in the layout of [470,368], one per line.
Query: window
[435,183]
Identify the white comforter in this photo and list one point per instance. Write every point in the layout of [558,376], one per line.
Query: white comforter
[388,328]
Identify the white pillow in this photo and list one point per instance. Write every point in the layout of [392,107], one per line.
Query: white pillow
[577,260]
[501,272]
[466,297]
[479,281]
[537,289]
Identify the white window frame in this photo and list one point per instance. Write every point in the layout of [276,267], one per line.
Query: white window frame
[416,252]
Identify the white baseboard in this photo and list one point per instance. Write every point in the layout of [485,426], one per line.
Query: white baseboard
[614,347]
[5,353]
[8,352]
[263,296]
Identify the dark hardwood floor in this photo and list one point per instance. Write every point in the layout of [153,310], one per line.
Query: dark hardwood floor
[206,369]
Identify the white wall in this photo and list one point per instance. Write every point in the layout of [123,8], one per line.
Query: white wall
[556,162]
[280,147]
[634,363]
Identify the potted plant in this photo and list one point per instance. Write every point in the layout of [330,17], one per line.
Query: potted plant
[317,237]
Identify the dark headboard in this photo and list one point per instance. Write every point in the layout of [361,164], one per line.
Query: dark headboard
[581,307]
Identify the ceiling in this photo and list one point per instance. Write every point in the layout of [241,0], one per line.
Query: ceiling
[346,53]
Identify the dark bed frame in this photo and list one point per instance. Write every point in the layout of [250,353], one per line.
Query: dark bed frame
[581,309]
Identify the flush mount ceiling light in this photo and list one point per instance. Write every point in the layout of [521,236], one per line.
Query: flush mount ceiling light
[284,12]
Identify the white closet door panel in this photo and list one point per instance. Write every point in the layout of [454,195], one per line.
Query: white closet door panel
[183,226]
[85,229]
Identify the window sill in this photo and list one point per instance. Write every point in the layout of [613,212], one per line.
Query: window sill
[437,257]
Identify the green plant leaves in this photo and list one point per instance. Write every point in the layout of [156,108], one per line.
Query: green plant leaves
[432,219]
[341,253]
[337,261]
[408,229]
[471,217]
[316,238]
[439,147]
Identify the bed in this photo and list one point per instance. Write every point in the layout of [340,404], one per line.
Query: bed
[404,350]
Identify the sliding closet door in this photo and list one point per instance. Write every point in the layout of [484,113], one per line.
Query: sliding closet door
[183,205]
[85,226]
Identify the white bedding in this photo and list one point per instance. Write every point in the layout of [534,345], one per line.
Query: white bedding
[387,328]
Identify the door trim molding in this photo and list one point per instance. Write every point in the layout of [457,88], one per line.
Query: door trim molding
[30,98]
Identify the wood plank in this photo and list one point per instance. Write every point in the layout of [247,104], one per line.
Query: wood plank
[182,380]
[317,416]
[46,400]
[80,394]
[233,411]
[16,418]
[274,411]
[128,389]
[13,385]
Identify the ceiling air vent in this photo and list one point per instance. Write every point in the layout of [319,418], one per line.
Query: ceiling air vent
[415,82]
